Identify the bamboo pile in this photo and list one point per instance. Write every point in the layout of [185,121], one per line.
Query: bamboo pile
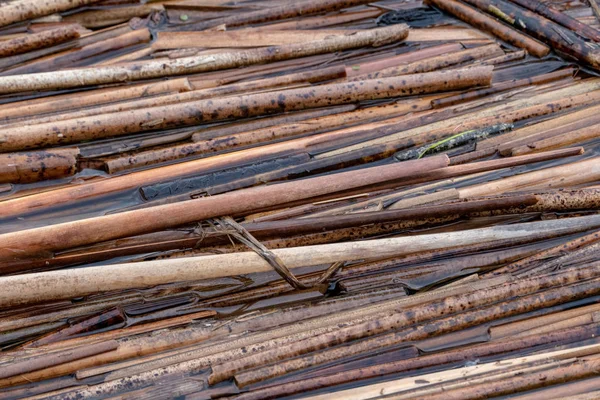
[309,199]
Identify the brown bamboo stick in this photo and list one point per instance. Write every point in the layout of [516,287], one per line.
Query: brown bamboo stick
[213,140]
[20,10]
[31,288]
[72,58]
[435,63]
[488,24]
[368,67]
[561,18]
[558,37]
[322,21]
[225,90]
[107,227]
[159,68]
[552,252]
[555,142]
[28,108]
[241,38]
[500,87]
[452,356]
[194,112]
[52,359]
[38,40]
[275,13]
[38,165]
[463,316]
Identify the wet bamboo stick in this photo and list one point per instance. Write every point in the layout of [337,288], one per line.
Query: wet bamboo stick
[20,10]
[31,288]
[558,37]
[465,315]
[452,356]
[107,227]
[435,63]
[38,165]
[159,68]
[555,15]
[38,40]
[488,24]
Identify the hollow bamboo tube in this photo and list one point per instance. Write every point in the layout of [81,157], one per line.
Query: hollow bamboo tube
[555,15]
[451,356]
[466,314]
[44,361]
[488,24]
[500,87]
[38,287]
[92,98]
[558,37]
[107,227]
[37,40]
[194,112]
[435,63]
[558,141]
[20,10]
[323,74]
[276,13]
[35,166]
[160,68]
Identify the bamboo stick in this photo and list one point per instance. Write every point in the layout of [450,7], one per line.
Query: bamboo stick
[561,18]
[20,10]
[38,40]
[225,90]
[452,356]
[276,13]
[107,227]
[500,87]
[558,37]
[29,108]
[139,120]
[37,165]
[213,140]
[31,288]
[462,317]
[558,141]
[488,24]
[435,63]
[156,69]
[45,361]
